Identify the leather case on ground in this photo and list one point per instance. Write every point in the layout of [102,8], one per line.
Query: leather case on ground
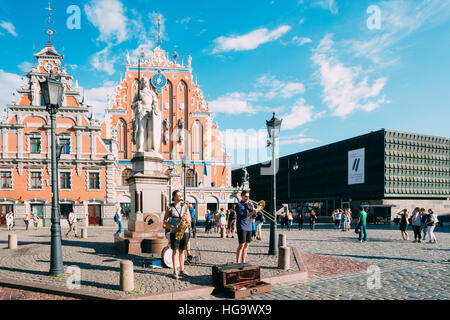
[239,280]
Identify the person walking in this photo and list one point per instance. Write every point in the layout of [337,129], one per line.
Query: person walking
[193,221]
[349,217]
[289,219]
[244,213]
[9,221]
[27,219]
[259,222]
[404,217]
[172,218]
[118,219]
[423,226]
[312,219]
[362,223]
[337,217]
[416,222]
[344,219]
[72,220]
[231,222]
[431,224]
[222,221]
[216,221]
[36,221]
[208,222]
[300,219]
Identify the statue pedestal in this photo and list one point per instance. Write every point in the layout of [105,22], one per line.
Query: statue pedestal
[148,184]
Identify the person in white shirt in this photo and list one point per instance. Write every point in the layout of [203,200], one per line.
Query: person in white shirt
[9,221]
[431,224]
[72,219]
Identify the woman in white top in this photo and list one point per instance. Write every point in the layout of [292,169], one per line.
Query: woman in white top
[9,221]
[431,224]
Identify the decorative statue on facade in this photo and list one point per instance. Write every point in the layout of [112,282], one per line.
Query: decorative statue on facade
[147,120]
[245,179]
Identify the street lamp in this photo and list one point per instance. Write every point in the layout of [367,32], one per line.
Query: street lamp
[273,128]
[52,93]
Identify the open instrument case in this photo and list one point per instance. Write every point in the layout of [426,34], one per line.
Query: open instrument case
[239,280]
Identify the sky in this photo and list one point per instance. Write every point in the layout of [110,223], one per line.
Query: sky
[331,69]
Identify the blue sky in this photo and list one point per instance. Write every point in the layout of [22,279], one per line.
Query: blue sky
[315,62]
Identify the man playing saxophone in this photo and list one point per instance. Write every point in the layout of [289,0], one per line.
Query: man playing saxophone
[177,212]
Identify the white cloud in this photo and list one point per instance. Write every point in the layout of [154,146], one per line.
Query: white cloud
[184,20]
[102,61]
[399,20]
[346,89]
[8,26]
[300,41]
[109,17]
[299,141]
[299,114]
[249,41]
[98,97]
[9,83]
[232,103]
[274,88]
[327,5]
[25,66]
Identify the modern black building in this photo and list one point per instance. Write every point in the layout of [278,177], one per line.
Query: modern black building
[380,170]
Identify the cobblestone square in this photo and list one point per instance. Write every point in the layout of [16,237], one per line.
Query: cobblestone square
[405,270]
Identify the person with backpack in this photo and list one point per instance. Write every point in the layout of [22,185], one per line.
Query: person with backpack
[231,228]
[118,219]
[431,224]
[337,219]
[208,223]
[289,220]
[423,221]
[259,221]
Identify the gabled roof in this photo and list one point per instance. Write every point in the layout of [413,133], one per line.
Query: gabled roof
[49,50]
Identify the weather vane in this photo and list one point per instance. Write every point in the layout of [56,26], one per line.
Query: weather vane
[49,30]
[159,30]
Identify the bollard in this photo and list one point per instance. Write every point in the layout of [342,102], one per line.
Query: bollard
[12,241]
[284,258]
[222,232]
[281,240]
[126,276]
[84,233]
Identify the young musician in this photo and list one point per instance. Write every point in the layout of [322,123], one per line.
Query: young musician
[244,214]
[172,219]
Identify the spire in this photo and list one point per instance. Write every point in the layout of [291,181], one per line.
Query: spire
[49,31]
[159,30]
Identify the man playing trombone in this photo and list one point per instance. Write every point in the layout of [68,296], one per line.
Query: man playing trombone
[244,214]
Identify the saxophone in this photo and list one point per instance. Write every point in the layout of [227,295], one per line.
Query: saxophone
[184,224]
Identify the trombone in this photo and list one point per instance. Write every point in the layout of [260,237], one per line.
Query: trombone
[260,205]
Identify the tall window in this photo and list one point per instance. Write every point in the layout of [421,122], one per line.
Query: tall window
[36,180]
[122,136]
[94,180]
[191,181]
[65,142]
[35,145]
[6,180]
[125,175]
[197,141]
[65,180]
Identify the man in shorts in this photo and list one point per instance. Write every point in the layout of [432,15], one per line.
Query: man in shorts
[244,215]
[72,219]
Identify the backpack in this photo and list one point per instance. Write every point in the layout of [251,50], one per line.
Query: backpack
[115,217]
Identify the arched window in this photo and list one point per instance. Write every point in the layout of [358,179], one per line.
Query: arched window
[191,179]
[197,141]
[122,137]
[125,175]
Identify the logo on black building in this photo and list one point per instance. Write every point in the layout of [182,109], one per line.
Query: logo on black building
[356,164]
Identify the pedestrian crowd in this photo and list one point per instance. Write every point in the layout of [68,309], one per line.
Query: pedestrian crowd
[422,221]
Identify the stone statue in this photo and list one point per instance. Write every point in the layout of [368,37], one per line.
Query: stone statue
[147,120]
[245,177]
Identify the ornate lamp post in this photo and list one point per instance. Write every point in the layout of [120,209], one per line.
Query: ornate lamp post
[52,92]
[273,128]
